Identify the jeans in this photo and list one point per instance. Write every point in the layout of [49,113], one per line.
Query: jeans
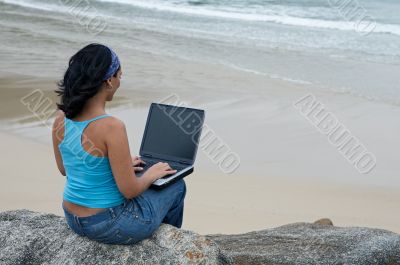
[135,219]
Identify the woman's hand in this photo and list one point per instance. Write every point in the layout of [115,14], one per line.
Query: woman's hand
[136,161]
[160,170]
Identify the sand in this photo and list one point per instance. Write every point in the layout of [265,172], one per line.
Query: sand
[30,180]
[274,184]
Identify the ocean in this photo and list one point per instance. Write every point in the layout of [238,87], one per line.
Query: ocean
[345,46]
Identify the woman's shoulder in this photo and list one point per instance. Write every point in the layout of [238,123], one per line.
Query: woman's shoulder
[112,128]
[58,126]
[113,122]
[59,120]
[110,122]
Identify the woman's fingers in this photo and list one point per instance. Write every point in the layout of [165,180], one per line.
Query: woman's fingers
[162,165]
[137,161]
[137,169]
[169,169]
[166,167]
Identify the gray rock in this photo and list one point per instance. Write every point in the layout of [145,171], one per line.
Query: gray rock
[324,221]
[29,238]
[308,244]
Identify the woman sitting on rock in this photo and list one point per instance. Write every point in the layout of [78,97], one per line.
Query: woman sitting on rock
[103,198]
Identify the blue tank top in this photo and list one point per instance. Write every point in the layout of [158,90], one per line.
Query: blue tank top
[90,181]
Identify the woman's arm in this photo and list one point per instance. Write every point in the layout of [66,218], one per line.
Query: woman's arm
[58,136]
[121,162]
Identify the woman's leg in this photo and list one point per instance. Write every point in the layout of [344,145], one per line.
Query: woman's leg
[137,218]
[175,214]
[166,205]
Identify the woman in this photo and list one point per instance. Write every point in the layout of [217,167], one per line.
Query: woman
[103,199]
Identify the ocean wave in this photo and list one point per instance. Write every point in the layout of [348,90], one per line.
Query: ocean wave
[31,4]
[361,26]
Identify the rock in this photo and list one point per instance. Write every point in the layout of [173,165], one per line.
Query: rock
[29,238]
[324,221]
[308,244]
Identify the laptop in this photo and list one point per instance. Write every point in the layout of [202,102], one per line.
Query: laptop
[171,135]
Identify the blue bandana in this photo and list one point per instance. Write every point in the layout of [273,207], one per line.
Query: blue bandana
[114,65]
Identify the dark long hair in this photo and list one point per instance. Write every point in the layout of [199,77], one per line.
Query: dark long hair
[83,78]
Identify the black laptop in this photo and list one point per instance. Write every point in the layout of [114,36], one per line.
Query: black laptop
[171,135]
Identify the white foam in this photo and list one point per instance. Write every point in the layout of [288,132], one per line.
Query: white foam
[235,15]
[274,18]
[30,4]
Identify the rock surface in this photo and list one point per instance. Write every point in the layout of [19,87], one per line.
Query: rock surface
[308,244]
[324,221]
[28,238]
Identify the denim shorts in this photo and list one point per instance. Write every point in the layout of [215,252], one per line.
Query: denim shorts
[135,219]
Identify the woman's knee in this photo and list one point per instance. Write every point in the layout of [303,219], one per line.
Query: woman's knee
[181,190]
[184,189]
[181,186]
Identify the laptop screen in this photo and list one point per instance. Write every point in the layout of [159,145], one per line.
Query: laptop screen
[172,132]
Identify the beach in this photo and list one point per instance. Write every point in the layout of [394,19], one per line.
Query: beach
[289,171]
[30,180]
